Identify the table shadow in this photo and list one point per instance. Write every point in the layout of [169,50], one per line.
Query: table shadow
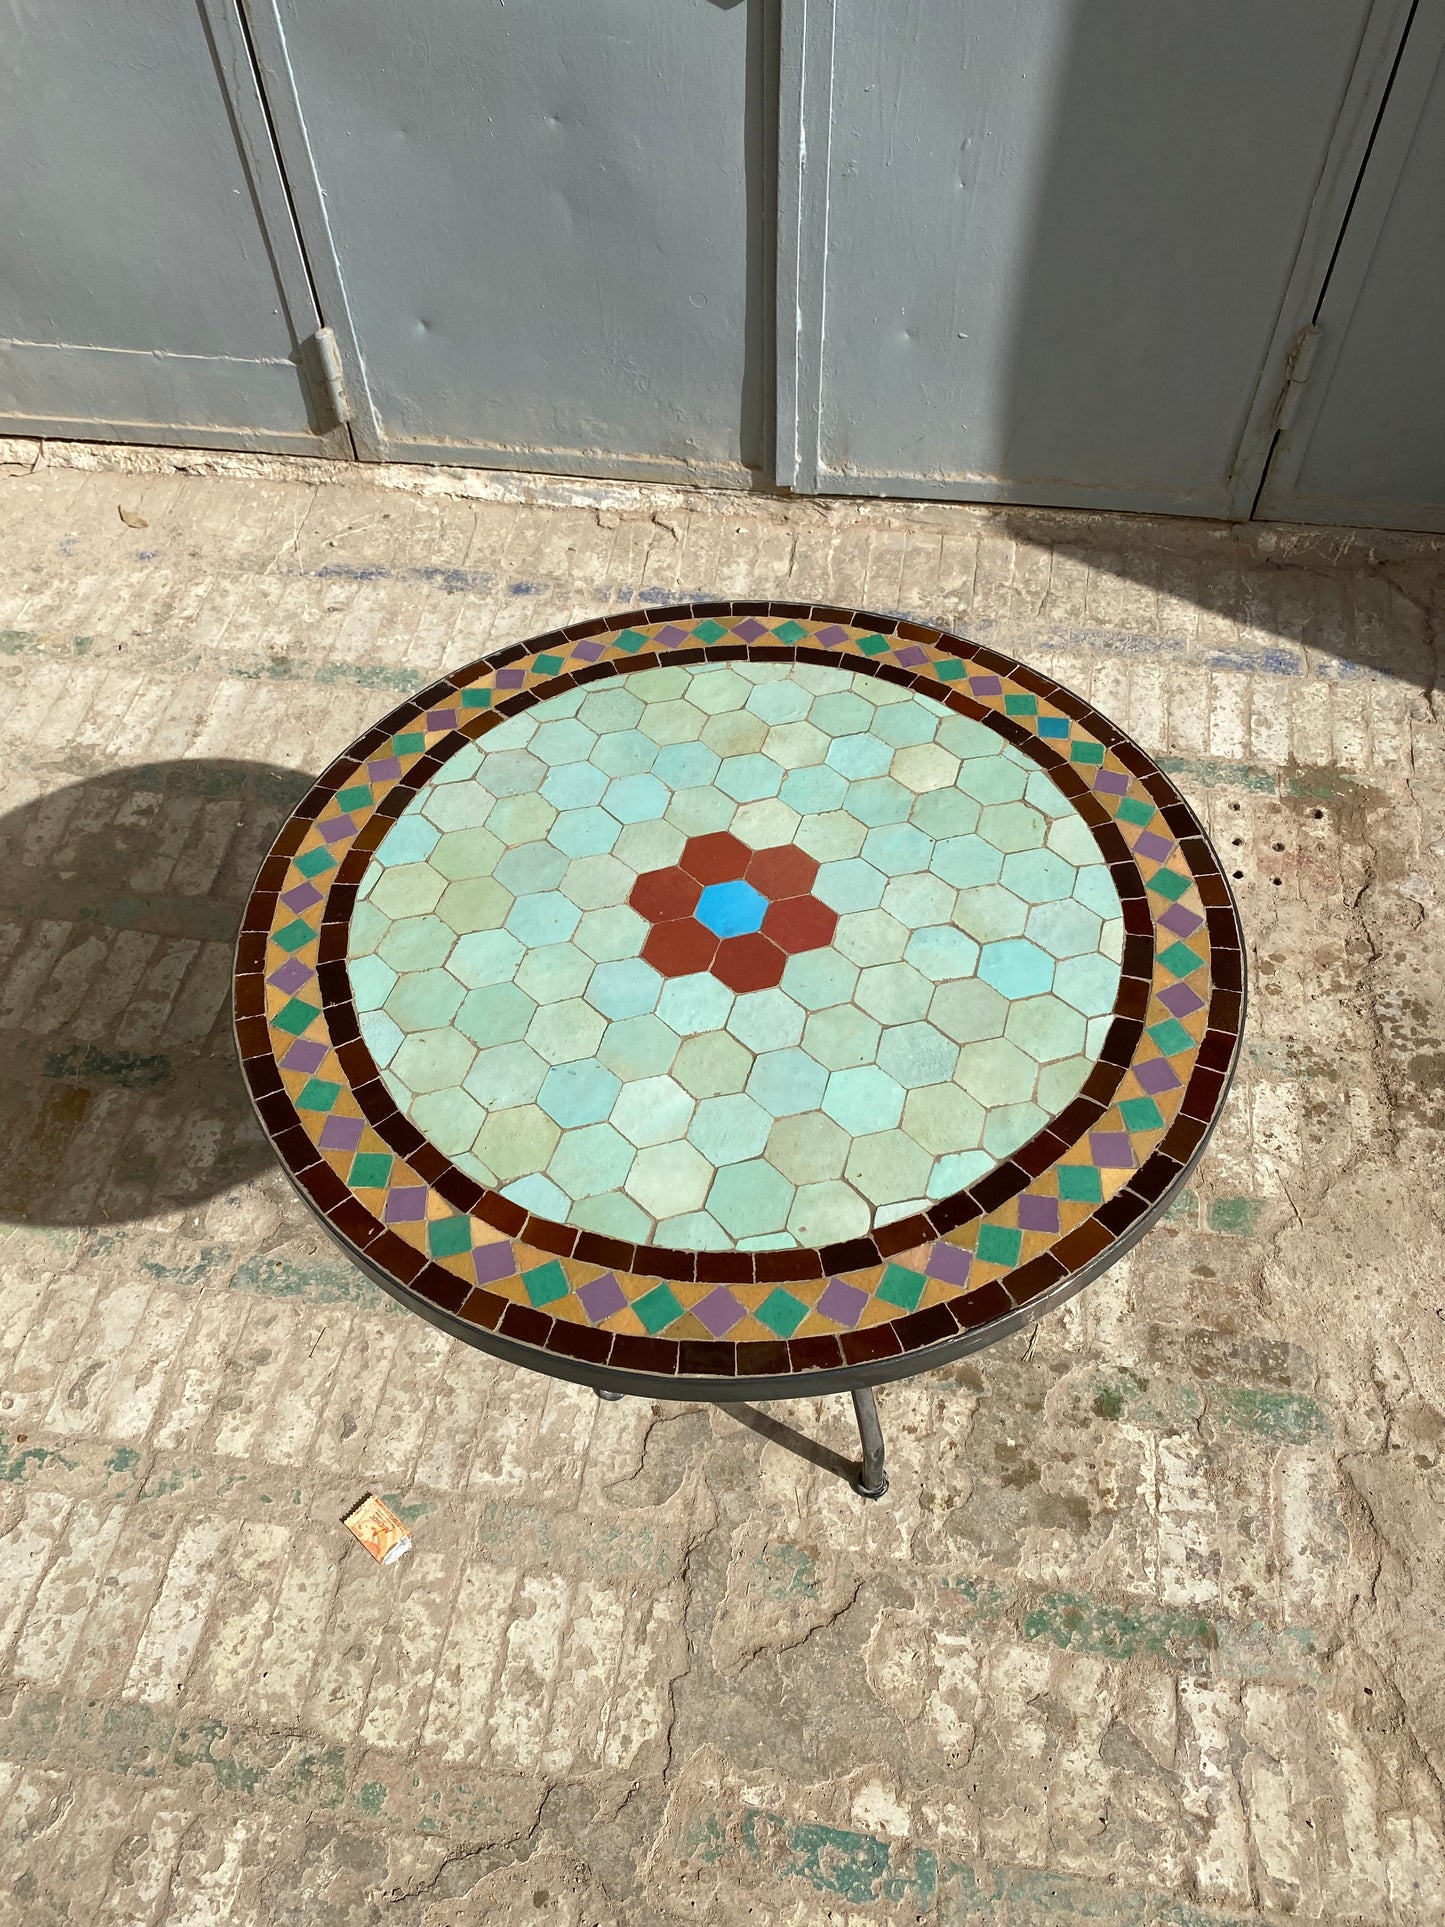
[120,896]
[776,1432]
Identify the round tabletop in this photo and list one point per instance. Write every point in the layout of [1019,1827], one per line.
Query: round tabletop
[739,1000]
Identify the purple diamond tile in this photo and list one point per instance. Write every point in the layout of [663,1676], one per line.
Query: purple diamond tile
[290,975]
[1111,1150]
[844,1304]
[406,1204]
[510,678]
[341,1133]
[1182,922]
[589,650]
[304,1056]
[602,1297]
[669,636]
[493,1261]
[949,1263]
[337,828]
[441,719]
[750,630]
[300,897]
[384,769]
[1156,1076]
[1154,846]
[1111,782]
[985,685]
[1180,1001]
[831,636]
[719,1311]
[1038,1214]
[912,656]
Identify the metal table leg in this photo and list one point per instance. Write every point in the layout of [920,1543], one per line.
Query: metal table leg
[872,1479]
[612,1398]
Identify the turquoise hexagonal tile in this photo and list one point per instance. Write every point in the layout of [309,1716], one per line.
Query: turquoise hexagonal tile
[779,702]
[992,780]
[485,957]
[841,1037]
[554,971]
[967,862]
[626,752]
[381,1036]
[629,988]
[897,848]
[1038,876]
[750,1199]
[532,867]
[859,758]
[728,1129]
[765,1019]
[816,978]
[786,1082]
[574,786]
[592,1159]
[941,951]
[909,723]
[513,772]
[747,778]
[1066,929]
[878,800]
[416,943]
[1095,889]
[865,1099]
[914,1054]
[638,1047]
[610,710]
[495,1014]
[1090,984]
[429,1060]
[636,799]
[1045,1027]
[424,1000]
[371,982]
[686,766]
[505,1075]
[580,1092]
[566,1030]
[411,839]
[585,832]
[613,1215]
[539,1195]
[546,917]
[956,1171]
[567,741]
[894,993]
[845,712]
[701,811]
[1017,968]
[850,884]
[812,790]
[693,1231]
[653,1110]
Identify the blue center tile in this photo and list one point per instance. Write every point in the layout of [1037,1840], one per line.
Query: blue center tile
[731,909]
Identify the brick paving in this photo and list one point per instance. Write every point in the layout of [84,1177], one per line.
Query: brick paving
[1148,1629]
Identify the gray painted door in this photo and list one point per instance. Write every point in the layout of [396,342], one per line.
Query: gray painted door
[1044,249]
[153,288]
[541,227]
[1366,442]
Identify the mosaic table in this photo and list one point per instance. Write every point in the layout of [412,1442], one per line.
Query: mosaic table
[740,1001]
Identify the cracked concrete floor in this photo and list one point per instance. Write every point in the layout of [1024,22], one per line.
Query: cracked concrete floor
[1148,1629]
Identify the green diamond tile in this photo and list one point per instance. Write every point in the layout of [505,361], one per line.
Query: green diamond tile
[1170,1036]
[315,862]
[445,1237]
[631,640]
[476,699]
[998,1244]
[874,645]
[781,1312]
[902,1287]
[370,1170]
[1180,959]
[547,666]
[295,1015]
[1080,1184]
[657,1308]
[295,935]
[357,797]
[546,1282]
[1133,809]
[1086,753]
[1169,884]
[318,1094]
[709,631]
[790,631]
[1020,706]
[950,669]
[1141,1114]
[409,743]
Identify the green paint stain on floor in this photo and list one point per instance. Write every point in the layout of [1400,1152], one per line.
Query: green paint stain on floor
[319,1281]
[1236,1216]
[1284,1418]
[1075,1622]
[19,1460]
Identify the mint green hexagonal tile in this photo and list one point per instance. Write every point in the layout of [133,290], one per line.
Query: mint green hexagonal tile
[765,824]
[812,789]
[1038,876]
[596,882]
[693,1004]
[747,778]
[990,912]
[728,1129]
[859,758]
[779,702]
[1045,795]
[505,1075]
[592,1159]
[735,734]
[629,988]
[701,812]
[381,1036]
[1045,1027]
[416,943]
[916,1054]
[566,1030]
[521,819]
[996,1072]
[1011,827]
[897,848]
[430,1060]
[991,780]
[1090,984]
[449,1118]
[832,837]
[367,928]
[1071,838]
[554,971]
[609,710]
[458,806]
[651,846]
[371,981]
[826,1212]
[1010,1125]
[751,1199]
[1095,889]
[808,1148]
[920,899]
[864,1099]
[816,978]
[909,723]
[967,862]
[925,767]
[766,1020]
[944,814]
[613,1215]
[495,1014]
[476,903]
[653,1110]
[1059,1084]
[795,746]
[1064,929]
[693,1231]
[625,752]
[894,993]
[637,1047]
[609,934]
[586,832]
[886,1166]
[787,1081]
[566,741]
[968,1009]
[574,786]
[942,1119]
[577,1093]
[870,937]
[713,1065]
[517,1143]
[940,952]
[686,766]
[716,690]
[841,1037]
[842,713]
[465,853]
[877,800]
[531,867]
[541,918]
[410,890]
[849,885]
[1016,968]
[670,1180]
[424,1000]
[512,772]
[411,839]
[671,724]
[485,957]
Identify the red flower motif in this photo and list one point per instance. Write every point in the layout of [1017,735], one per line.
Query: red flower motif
[678,945]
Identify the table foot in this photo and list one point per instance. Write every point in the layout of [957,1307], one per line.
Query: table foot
[872,1479]
[612,1398]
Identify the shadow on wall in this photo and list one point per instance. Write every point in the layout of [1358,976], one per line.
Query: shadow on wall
[120,1096]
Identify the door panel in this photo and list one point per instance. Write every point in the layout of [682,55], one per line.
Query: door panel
[551,222]
[153,288]
[1368,441]
[1059,240]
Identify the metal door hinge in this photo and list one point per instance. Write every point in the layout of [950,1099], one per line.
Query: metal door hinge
[1297,365]
[323,361]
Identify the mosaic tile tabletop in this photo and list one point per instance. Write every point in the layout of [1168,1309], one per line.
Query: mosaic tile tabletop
[739,993]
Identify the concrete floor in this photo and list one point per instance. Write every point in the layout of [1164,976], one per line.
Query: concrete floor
[1148,1629]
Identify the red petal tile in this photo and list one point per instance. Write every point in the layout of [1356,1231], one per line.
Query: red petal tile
[715,859]
[661,895]
[784,871]
[748,963]
[679,948]
[800,923]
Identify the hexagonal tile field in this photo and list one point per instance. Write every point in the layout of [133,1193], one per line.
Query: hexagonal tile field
[736,956]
